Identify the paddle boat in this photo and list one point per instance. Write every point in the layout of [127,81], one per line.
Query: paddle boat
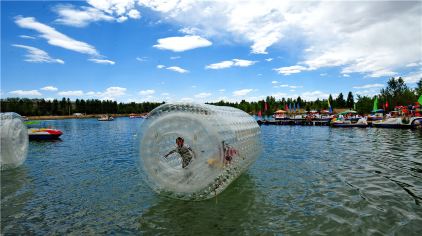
[44,134]
[105,118]
[361,123]
[376,115]
[399,123]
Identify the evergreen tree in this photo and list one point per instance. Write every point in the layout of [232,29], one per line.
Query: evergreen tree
[350,100]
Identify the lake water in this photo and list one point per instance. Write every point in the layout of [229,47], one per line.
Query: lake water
[308,180]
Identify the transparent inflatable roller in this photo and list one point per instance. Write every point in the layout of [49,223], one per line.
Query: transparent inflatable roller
[14,140]
[193,151]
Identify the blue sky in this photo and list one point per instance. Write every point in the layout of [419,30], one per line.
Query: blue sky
[199,51]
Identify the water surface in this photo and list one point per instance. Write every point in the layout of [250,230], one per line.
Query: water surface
[308,180]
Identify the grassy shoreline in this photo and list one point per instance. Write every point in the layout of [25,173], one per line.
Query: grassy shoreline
[72,117]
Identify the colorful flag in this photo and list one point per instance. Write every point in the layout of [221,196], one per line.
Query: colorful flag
[386,105]
[294,107]
[375,108]
[329,106]
[290,107]
[298,106]
[420,100]
[259,113]
[286,108]
[265,106]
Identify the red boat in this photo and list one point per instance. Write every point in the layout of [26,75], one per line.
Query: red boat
[43,134]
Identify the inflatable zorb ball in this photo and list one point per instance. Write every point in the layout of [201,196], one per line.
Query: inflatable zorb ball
[193,151]
[14,140]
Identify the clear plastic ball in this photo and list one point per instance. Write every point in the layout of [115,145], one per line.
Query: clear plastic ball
[14,140]
[219,143]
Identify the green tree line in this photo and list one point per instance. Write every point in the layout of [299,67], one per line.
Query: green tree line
[42,107]
[395,93]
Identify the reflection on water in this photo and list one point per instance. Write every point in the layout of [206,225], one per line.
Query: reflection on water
[232,211]
[309,180]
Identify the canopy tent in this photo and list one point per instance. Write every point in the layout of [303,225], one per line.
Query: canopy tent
[279,111]
[347,112]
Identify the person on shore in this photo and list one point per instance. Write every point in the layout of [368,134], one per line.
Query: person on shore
[185,152]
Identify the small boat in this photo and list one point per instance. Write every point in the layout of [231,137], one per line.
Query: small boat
[105,118]
[399,123]
[44,134]
[132,116]
[361,123]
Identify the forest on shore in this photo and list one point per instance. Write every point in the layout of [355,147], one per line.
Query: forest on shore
[396,93]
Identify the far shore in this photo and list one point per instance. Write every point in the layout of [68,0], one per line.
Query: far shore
[74,116]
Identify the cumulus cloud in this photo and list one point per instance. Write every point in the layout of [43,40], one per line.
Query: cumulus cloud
[369,86]
[345,34]
[37,55]
[180,44]
[413,77]
[269,59]
[25,93]
[314,95]
[49,88]
[146,92]
[160,66]
[54,37]
[72,16]
[241,92]
[177,69]
[290,70]
[202,95]
[231,63]
[71,93]
[101,61]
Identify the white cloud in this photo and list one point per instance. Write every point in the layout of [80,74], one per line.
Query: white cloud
[134,14]
[274,82]
[279,95]
[221,90]
[193,86]
[102,61]
[109,93]
[242,92]
[269,59]
[323,74]
[146,92]
[160,66]
[345,34]
[413,77]
[114,92]
[220,65]
[186,100]
[314,95]
[346,75]
[290,70]
[174,58]
[54,37]
[414,64]
[26,37]
[141,59]
[177,69]
[121,19]
[25,93]
[71,93]
[165,94]
[49,88]
[180,44]
[369,86]
[71,16]
[228,64]
[202,95]
[114,7]
[37,55]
